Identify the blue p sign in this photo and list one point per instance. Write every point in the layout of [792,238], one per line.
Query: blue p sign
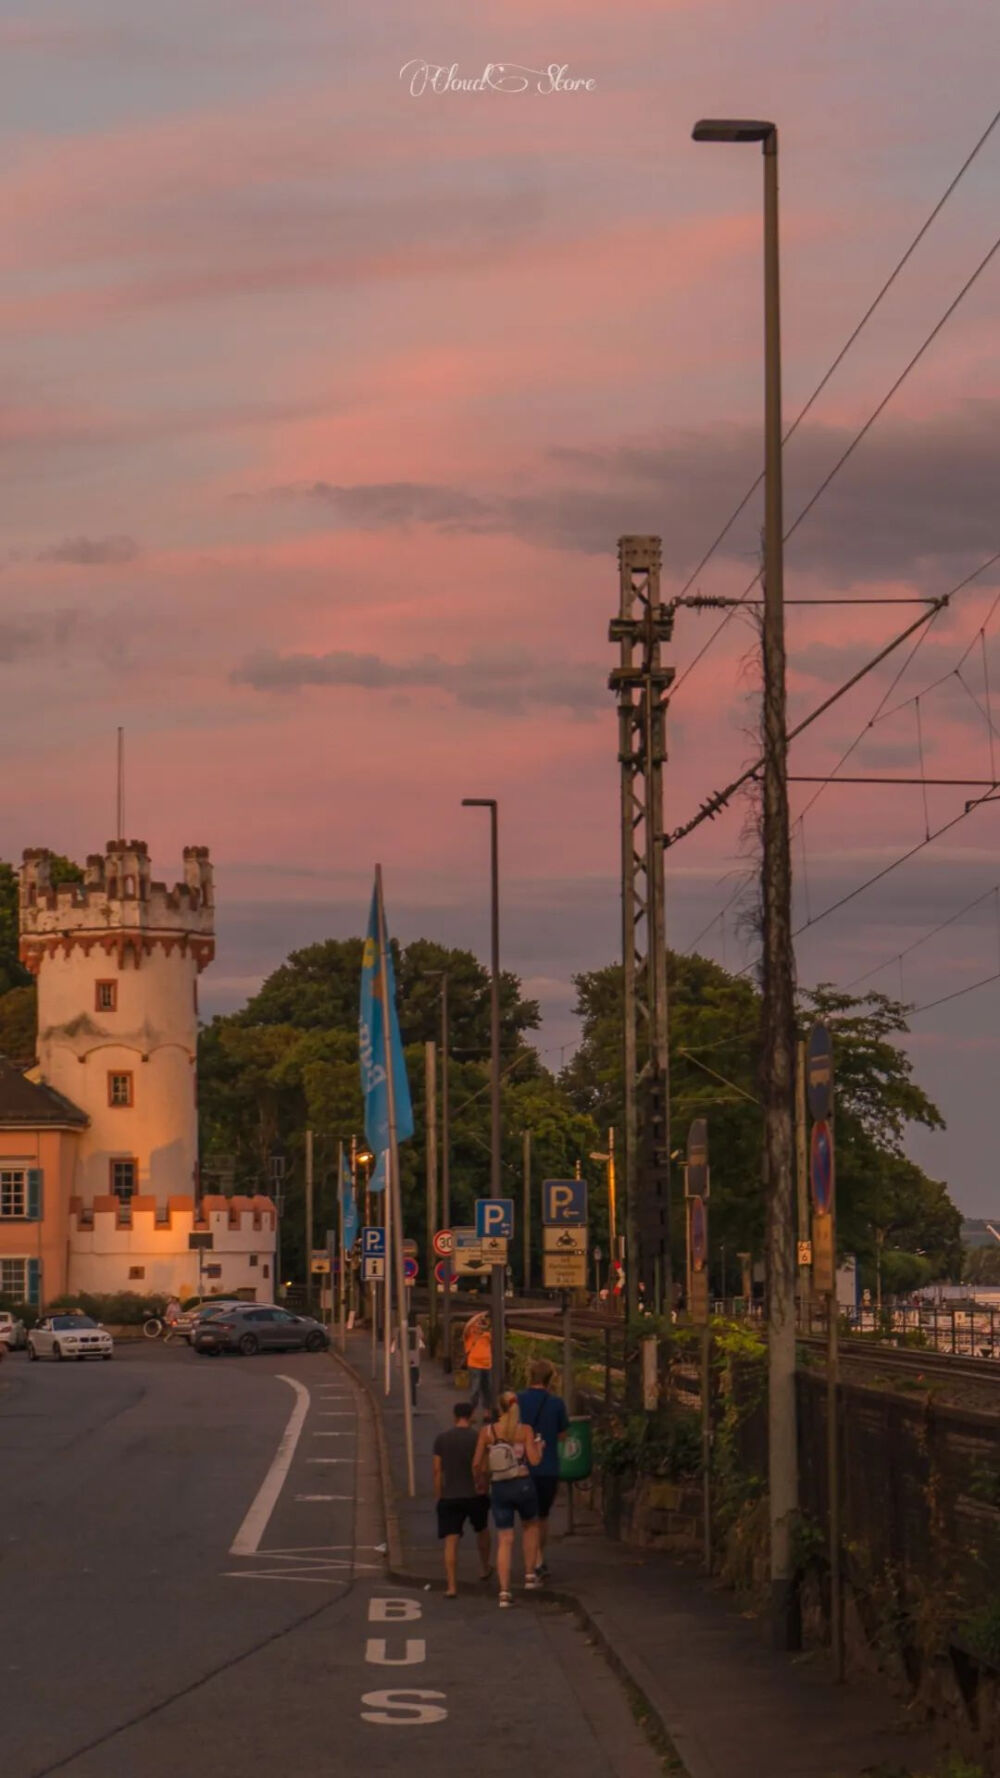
[495,1216]
[373,1243]
[564,1201]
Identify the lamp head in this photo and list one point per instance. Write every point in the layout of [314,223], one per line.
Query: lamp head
[733,129]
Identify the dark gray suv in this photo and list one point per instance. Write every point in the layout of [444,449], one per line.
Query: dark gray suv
[259,1329]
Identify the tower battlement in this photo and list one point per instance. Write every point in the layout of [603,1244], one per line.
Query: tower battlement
[116,901]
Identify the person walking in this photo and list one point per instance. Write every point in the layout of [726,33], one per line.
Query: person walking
[545,1412]
[477,1340]
[460,1496]
[505,1449]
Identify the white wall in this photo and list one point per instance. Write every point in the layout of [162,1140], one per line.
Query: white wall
[104,1248]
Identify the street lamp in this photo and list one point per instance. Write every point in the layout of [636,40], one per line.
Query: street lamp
[488,802]
[778,1032]
[276,1170]
[442,975]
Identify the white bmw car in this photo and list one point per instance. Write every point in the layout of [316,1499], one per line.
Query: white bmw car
[69,1336]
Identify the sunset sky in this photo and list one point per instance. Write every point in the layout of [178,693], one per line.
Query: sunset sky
[324,405]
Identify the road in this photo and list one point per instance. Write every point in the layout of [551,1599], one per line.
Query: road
[190,1578]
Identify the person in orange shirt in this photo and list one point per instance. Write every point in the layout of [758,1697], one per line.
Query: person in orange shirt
[477,1338]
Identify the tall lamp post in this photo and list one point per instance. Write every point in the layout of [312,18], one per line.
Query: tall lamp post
[778,1033]
[276,1170]
[445,1170]
[487,802]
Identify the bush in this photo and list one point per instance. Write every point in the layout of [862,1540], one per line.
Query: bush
[667,1444]
[26,1312]
[119,1308]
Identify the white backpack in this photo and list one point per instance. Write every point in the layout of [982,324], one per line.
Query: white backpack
[504,1461]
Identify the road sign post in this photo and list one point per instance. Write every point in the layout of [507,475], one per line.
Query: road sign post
[495,1227]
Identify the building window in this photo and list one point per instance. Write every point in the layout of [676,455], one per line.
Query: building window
[213,1271]
[106,997]
[119,1089]
[137,1271]
[253,1259]
[13,1191]
[266,1271]
[124,1176]
[14,1279]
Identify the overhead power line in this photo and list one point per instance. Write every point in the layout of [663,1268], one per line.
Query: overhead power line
[924,938]
[845,348]
[873,417]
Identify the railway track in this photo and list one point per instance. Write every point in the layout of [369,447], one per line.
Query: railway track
[916,1361]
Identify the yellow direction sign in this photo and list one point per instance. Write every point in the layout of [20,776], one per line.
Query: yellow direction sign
[824,1266]
[564,1271]
[493,1250]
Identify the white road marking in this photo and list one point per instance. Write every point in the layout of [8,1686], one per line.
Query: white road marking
[377,1652]
[329,1459]
[403,1709]
[322,1497]
[322,1433]
[335,1414]
[247,1539]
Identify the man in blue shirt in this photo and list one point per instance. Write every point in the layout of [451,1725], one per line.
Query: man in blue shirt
[546,1414]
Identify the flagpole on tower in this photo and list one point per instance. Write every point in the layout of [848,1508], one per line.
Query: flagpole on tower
[120,793]
[393,1188]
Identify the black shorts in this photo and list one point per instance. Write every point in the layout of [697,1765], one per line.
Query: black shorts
[452,1515]
[545,1488]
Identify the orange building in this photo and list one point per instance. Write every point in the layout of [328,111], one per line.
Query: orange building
[40,1135]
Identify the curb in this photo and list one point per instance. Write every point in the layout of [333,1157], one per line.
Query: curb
[654,1726]
[393,1534]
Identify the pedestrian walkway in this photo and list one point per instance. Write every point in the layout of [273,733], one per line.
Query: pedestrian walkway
[728,1706]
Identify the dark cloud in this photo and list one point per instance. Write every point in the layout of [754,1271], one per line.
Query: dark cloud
[916,501]
[507,681]
[25,638]
[91,552]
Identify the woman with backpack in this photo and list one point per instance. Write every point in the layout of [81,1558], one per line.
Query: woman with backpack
[503,1454]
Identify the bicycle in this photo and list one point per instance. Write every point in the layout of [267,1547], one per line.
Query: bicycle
[156,1328]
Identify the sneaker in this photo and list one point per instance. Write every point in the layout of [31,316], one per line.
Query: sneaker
[531,1582]
[504,1601]
[542,1571]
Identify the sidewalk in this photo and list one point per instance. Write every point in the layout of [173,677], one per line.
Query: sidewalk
[729,1707]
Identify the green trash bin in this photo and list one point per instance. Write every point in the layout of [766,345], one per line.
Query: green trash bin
[576,1450]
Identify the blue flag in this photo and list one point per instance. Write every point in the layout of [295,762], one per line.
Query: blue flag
[350,1204]
[373,1047]
[377,1181]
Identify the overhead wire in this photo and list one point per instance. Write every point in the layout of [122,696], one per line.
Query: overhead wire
[845,348]
[845,455]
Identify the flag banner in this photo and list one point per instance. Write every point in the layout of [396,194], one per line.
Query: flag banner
[375,1056]
[350,1207]
[377,1181]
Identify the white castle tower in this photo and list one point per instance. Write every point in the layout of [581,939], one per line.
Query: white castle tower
[117,960]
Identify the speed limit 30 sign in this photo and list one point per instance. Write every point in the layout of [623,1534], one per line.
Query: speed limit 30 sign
[444,1243]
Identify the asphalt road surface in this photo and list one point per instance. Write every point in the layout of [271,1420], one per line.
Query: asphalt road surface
[190,1581]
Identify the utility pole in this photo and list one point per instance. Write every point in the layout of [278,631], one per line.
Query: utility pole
[640,682]
[526,1209]
[802,1180]
[430,1073]
[496,1185]
[778,984]
[445,1167]
[309,1221]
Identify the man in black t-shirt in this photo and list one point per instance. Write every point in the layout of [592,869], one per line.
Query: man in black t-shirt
[458,1496]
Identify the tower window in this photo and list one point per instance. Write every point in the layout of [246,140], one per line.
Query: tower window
[123,1178]
[137,1271]
[120,1089]
[106,997]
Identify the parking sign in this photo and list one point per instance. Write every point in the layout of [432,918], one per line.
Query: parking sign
[373,1243]
[564,1201]
[495,1216]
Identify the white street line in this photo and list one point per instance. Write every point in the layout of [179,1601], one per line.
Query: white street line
[324,1434]
[335,1414]
[329,1459]
[322,1497]
[247,1539]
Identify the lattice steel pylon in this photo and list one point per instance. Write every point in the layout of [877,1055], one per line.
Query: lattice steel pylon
[640,682]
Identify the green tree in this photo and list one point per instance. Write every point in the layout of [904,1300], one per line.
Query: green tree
[714,1072]
[12,971]
[19,1024]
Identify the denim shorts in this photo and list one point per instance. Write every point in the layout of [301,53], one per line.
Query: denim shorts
[516,1496]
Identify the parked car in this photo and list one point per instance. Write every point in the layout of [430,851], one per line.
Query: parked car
[69,1336]
[254,1328]
[188,1320]
[12,1331]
